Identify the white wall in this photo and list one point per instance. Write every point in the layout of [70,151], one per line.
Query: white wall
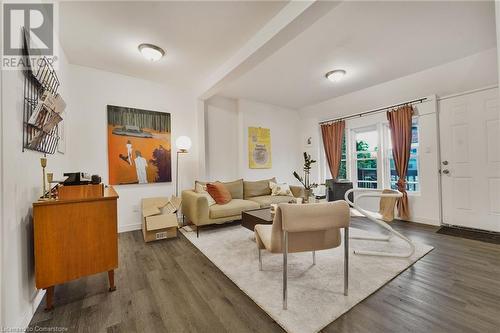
[222,145]
[497,17]
[92,91]
[227,139]
[21,185]
[469,73]
[286,144]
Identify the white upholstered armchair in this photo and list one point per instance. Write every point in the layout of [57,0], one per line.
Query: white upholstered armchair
[304,228]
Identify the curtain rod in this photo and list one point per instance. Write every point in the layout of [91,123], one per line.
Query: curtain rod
[357,115]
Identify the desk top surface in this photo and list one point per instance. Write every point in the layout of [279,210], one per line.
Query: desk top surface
[109,194]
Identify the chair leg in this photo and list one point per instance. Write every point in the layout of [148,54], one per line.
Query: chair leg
[346,261]
[197,231]
[260,258]
[314,257]
[285,269]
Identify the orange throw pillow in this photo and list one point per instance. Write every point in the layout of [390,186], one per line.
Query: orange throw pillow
[219,192]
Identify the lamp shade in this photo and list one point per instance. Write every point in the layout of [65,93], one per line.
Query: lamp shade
[183,143]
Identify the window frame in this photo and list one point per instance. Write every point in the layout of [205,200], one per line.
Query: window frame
[354,156]
[383,156]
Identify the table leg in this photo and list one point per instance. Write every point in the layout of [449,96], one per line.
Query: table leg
[111,277]
[49,302]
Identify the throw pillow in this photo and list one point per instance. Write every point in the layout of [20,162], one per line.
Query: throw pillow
[280,189]
[202,189]
[219,192]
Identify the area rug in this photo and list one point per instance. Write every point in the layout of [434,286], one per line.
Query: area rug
[315,293]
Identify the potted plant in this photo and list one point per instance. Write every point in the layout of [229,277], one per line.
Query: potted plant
[308,161]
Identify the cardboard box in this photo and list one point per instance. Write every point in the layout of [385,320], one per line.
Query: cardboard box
[159,218]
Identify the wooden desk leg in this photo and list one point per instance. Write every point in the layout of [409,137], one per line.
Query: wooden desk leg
[49,302]
[111,277]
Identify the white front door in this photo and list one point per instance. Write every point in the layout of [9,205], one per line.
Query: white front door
[470,160]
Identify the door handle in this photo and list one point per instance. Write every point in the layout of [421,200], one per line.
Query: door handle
[445,162]
[446,171]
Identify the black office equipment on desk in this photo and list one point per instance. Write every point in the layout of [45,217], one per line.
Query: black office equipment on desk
[335,189]
[77,178]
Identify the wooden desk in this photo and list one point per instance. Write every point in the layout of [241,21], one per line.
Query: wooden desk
[74,238]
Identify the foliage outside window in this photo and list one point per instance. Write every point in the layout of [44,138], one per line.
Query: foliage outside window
[343,160]
[366,158]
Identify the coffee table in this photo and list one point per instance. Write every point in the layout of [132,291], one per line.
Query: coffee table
[252,217]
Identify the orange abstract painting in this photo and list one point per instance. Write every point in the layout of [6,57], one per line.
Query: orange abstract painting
[139,146]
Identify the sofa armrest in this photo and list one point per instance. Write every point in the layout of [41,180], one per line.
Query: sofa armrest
[297,191]
[195,207]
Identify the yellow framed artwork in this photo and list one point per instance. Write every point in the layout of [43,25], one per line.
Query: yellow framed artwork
[259,148]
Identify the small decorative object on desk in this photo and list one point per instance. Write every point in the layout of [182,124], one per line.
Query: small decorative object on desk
[50,178]
[305,181]
[95,179]
[43,164]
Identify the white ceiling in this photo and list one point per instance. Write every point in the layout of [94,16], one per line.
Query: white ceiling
[197,36]
[374,41]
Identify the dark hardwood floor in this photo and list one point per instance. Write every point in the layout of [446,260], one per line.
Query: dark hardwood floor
[169,286]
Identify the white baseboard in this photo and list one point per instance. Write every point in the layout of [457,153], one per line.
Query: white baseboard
[129,227]
[28,315]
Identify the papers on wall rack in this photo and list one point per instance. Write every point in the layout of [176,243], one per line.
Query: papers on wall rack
[48,110]
[59,104]
[44,119]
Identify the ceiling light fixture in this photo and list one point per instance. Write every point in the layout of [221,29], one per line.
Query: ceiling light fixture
[335,75]
[151,52]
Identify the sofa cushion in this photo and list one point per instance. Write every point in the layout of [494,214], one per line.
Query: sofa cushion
[235,188]
[232,208]
[219,192]
[267,200]
[257,188]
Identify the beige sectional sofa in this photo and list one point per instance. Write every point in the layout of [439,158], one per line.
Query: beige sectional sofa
[245,195]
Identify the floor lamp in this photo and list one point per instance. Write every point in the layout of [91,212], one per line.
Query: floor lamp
[183,144]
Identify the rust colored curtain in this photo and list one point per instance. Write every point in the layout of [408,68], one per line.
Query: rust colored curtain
[332,141]
[400,124]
